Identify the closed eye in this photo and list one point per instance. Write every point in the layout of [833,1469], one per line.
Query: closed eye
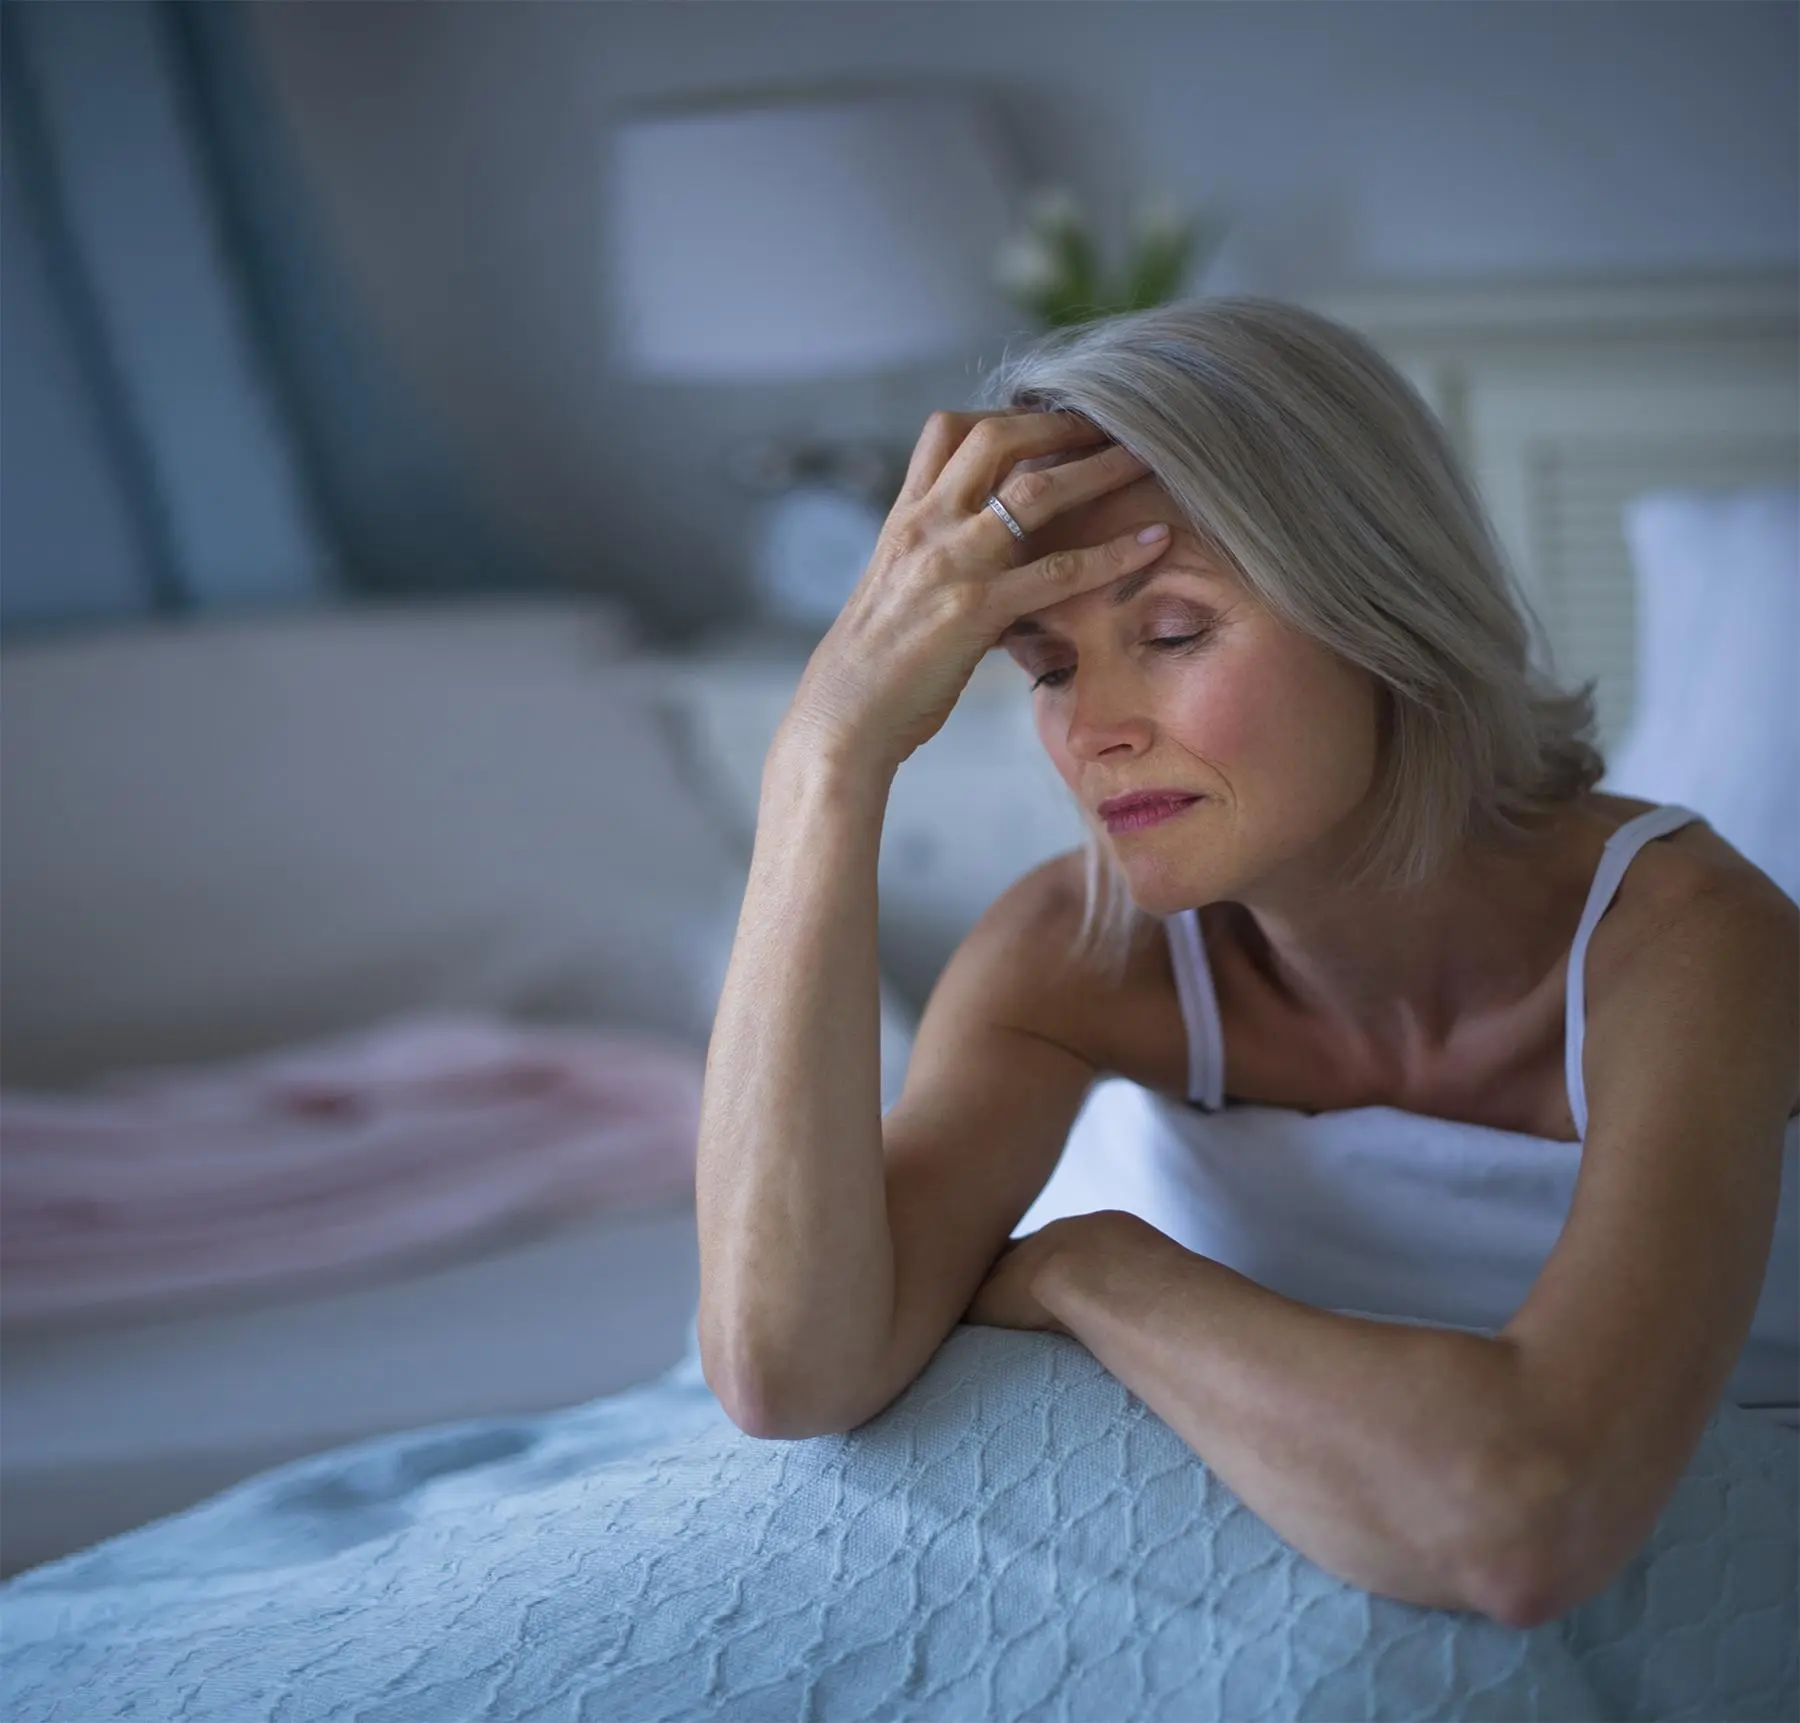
[1165,640]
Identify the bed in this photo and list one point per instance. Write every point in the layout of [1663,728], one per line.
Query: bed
[204,859]
[476,1466]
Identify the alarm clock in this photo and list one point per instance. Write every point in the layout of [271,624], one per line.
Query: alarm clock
[815,541]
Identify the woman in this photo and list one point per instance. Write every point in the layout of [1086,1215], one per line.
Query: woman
[1346,852]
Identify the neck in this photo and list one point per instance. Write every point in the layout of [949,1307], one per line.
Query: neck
[1397,972]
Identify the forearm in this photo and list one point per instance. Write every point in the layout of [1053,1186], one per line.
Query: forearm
[796,1262]
[1393,1456]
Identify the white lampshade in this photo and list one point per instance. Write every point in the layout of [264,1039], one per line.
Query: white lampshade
[795,239]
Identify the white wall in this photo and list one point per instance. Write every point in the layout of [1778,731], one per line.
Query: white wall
[455,153]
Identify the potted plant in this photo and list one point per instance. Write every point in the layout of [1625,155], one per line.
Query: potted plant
[1051,266]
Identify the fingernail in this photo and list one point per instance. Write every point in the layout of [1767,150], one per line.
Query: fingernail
[1151,534]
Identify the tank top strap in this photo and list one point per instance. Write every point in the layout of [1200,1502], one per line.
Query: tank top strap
[1199,1010]
[1615,858]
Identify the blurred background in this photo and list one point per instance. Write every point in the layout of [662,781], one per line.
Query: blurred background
[353,259]
[433,435]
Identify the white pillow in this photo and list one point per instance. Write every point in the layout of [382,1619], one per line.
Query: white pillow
[1716,725]
[224,836]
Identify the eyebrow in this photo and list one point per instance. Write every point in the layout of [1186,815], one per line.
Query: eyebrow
[1121,594]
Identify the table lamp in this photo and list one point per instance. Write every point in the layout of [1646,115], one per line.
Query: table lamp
[796,236]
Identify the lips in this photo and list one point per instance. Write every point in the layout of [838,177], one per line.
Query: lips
[1141,799]
[1129,813]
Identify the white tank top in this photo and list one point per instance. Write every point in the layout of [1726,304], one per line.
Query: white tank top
[1375,1210]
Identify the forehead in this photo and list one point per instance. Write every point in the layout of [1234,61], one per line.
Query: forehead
[1183,571]
[1190,568]
[1196,581]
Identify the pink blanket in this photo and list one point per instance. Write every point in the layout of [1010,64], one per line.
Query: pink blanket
[368,1147]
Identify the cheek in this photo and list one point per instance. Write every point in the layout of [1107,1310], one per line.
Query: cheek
[1230,715]
[1274,714]
[1295,730]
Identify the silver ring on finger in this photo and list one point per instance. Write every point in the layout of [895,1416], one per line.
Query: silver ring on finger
[1005,514]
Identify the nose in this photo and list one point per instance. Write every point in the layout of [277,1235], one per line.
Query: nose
[1105,720]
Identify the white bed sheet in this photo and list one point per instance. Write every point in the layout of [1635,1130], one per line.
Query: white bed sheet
[107,1426]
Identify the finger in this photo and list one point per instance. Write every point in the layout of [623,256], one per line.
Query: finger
[941,436]
[1064,573]
[938,439]
[1037,496]
[999,442]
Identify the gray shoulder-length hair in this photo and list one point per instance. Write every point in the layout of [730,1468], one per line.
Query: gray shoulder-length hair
[1304,460]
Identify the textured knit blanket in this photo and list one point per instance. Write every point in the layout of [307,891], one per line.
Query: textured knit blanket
[1016,1537]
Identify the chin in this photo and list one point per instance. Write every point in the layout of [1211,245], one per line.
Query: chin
[1168,881]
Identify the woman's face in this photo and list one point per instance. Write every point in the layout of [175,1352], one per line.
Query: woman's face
[1276,733]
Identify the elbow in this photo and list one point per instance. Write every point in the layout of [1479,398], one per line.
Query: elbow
[774,1414]
[1526,1564]
[1545,1584]
[771,1418]
[748,1403]
[738,1387]
[1522,1593]
[754,1416]
[761,1406]
[774,1417]
[771,1425]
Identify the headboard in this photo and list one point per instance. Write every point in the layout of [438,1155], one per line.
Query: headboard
[1567,399]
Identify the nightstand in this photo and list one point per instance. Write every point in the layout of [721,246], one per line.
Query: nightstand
[975,808]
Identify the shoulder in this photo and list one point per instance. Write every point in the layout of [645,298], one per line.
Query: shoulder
[1038,974]
[1026,943]
[1698,931]
[1030,927]
[1692,885]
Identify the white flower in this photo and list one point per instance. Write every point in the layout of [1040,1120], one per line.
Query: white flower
[1160,217]
[1026,266]
[1053,209]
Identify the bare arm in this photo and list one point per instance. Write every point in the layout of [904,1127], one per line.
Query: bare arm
[996,1077]
[796,1263]
[797,1259]
[1393,1456]
[1516,1474]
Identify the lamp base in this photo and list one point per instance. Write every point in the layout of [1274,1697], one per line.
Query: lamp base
[814,543]
[865,467]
